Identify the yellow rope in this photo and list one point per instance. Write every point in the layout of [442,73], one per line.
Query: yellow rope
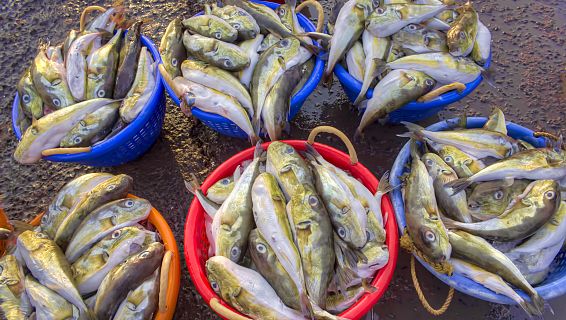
[443,267]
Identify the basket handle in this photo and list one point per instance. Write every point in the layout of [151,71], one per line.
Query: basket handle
[164,280]
[225,312]
[86,11]
[318,7]
[50,152]
[435,93]
[422,298]
[339,134]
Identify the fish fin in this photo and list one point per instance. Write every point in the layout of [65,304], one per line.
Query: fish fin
[207,9]
[538,302]
[258,151]
[312,151]
[414,148]
[384,185]
[415,131]
[530,309]
[306,305]
[458,185]
[237,173]
[192,185]
[449,223]
[489,77]
[366,284]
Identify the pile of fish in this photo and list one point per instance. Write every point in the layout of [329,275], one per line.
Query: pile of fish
[90,258]
[85,89]
[488,204]
[241,60]
[407,48]
[291,236]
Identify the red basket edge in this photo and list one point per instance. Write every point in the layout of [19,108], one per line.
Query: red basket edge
[381,280]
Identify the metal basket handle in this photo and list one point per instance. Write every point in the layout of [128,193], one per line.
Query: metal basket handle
[225,312]
[339,134]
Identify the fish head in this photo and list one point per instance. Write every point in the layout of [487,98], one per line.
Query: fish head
[422,82]
[171,48]
[489,197]
[459,39]
[150,256]
[117,184]
[221,276]
[49,76]
[11,272]
[285,13]
[30,241]
[29,98]
[262,253]
[32,142]
[228,57]
[545,193]
[381,17]
[280,155]
[434,241]
[221,188]
[231,243]
[130,209]
[129,240]
[435,165]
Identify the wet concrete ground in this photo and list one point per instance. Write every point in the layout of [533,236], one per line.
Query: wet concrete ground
[529,61]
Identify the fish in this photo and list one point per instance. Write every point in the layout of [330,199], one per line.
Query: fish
[339,302]
[482,46]
[395,52]
[12,274]
[76,64]
[478,251]
[105,220]
[219,80]
[463,31]
[395,90]
[265,17]
[418,39]
[114,188]
[233,221]
[376,51]
[333,17]
[48,265]
[210,100]
[142,89]
[347,29]
[442,66]
[71,37]
[531,164]
[10,304]
[355,59]
[386,20]
[422,214]
[22,121]
[50,82]
[211,26]
[93,127]
[47,303]
[209,206]
[452,206]
[463,164]
[47,132]
[277,105]
[172,49]
[104,20]
[496,122]
[221,54]
[101,70]
[246,290]
[66,198]
[271,65]
[126,277]
[490,199]
[347,214]
[141,303]
[313,235]
[128,63]
[30,101]
[268,41]
[479,143]
[239,19]
[288,167]
[491,281]
[251,47]
[520,220]
[220,190]
[92,266]
[306,73]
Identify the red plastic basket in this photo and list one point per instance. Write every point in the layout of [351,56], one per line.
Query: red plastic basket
[196,244]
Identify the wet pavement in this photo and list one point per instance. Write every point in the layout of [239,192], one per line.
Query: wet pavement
[529,61]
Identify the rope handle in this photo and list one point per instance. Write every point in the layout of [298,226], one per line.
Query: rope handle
[85,12]
[318,7]
[422,298]
[164,280]
[54,151]
[225,312]
[339,134]
[435,93]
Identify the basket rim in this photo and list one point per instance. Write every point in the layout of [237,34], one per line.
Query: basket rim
[174,280]
[121,137]
[383,277]
[457,281]
[297,99]
[352,84]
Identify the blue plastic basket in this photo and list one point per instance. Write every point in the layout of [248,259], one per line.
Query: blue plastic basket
[555,283]
[412,111]
[130,143]
[227,127]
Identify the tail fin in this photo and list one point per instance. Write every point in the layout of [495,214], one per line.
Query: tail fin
[384,187]
[459,185]
[415,131]
[368,287]
[312,151]
[258,151]
[208,205]
[529,309]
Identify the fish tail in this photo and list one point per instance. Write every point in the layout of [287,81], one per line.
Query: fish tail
[328,77]
[415,131]
[310,150]
[192,185]
[489,76]
[458,185]
[362,95]
[368,287]
[359,134]
[538,302]
[306,305]
[529,308]
[258,151]
[384,186]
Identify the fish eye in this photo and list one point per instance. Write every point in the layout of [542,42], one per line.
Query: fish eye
[144,254]
[82,123]
[56,102]
[218,35]
[56,82]
[260,248]
[26,98]
[549,195]
[498,195]
[379,10]
[235,253]
[41,235]
[473,206]
[342,232]
[429,236]
[462,35]
[282,11]
[412,27]
[77,140]
[100,93]
[225,181]
[214,286]
[116,234]
[285,42]
[429,162]
[313,201]
[236,26]
[448,159]
[429,82]
[345,210]
[174,62]
[228,63]
[129,203]
[111,187]
[131,306]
